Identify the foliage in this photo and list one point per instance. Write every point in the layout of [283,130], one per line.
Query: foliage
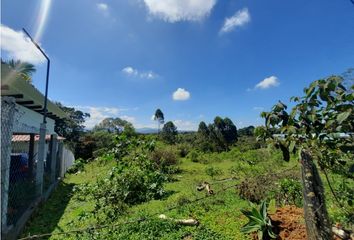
[134,179]
[165,159]
[213,171]
[71,128]
[289,192]
[78,166]
[23,69]
[259,222]
[246,131]
[169,133]
[115,125]
[217,137]
[159,117]
[316,122]
[262,186]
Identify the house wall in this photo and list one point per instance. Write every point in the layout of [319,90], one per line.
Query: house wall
[29,121]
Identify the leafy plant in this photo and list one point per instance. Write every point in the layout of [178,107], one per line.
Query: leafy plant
[290,191]
[259,222]
[213,171]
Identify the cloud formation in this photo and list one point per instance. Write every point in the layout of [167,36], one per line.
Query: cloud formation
[18,46]
[181,95]
[132,72]
[268,82]
[97,114]
[239,19]
[102,6]
[180,10]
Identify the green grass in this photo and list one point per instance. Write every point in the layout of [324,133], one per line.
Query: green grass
[219,215]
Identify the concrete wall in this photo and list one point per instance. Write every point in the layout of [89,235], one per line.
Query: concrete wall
[29,121]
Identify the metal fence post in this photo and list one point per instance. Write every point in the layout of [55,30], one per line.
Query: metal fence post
[41,157]
[8,110]
[53,156]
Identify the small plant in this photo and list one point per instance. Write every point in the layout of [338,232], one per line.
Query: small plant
[213,171]
[259,222]
[290,192]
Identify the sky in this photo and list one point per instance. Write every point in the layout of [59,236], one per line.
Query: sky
[193,59]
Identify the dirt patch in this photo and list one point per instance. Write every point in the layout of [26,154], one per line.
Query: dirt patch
[289,222]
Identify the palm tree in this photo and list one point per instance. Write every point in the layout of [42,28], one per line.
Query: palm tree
[24,69]
[159,118]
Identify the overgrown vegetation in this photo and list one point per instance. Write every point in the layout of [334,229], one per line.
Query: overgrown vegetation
[127,180]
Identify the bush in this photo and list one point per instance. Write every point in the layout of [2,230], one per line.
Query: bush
[289,192]
[165,159]
[213,171]
[183,149]
[78,166]
[260,187]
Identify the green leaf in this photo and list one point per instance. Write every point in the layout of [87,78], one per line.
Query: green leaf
[343,116]
[292,146]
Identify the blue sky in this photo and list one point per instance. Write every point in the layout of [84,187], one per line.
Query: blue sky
[194,59]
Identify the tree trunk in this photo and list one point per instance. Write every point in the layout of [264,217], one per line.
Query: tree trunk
[316,217]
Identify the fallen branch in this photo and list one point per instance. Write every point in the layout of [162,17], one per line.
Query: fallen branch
[205,185]
[186,222]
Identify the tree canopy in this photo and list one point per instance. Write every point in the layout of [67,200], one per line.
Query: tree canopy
[169,133]
[24,69]
[114,125]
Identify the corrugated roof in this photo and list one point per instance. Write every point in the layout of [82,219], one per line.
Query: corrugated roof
[26,94]
[26,138]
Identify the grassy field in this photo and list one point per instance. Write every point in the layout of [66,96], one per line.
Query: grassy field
[219,214]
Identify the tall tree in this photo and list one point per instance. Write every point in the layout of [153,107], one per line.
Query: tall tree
[114,125]
[320,127]
[72,127]
[159,117]
[169,133]
[24,69]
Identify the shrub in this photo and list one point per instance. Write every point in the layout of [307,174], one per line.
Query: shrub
[213,171]
[78,166]
[165,159]
[260,187]
[183,149]
[289,192]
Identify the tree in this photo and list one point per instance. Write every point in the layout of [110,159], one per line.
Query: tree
[218,136]
[246,131]
[320,127]
[169,133]
[23,69]
[72,127]
[115,125]
[159,118]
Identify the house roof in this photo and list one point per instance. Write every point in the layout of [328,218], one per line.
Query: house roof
[26,94]
[26,138]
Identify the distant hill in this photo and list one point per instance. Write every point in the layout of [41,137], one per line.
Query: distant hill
[154,130]
[146,130]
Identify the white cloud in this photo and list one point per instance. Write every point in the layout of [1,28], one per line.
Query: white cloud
[180,10]
[185,125]
[128,118]
[132,72]
[239,19]
[102,6]
[271,81]
[18,46]
[181,95]
[97,114]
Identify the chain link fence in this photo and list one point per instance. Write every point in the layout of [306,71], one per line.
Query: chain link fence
[25,178]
